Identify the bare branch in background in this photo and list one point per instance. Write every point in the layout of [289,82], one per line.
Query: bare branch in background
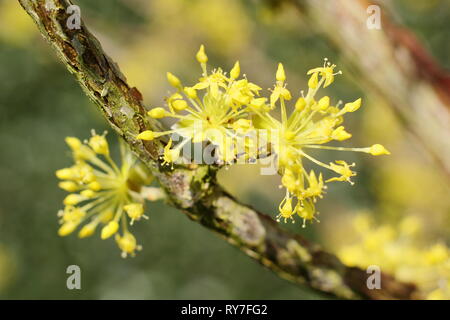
[391,63]
[193,189]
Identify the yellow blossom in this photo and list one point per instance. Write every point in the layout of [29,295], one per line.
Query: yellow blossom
[99,144]
[326,72]
[309,125]
[127,243]
[220,110]
[107,194]
[286,211]
[209,111]
[343,169]
[170,155]
[306,211]
[135,211]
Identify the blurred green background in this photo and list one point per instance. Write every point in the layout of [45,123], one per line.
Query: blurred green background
[40,104]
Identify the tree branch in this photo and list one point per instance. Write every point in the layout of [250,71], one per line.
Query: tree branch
[193,189]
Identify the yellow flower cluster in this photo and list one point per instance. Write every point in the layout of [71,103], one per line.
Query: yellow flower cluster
[101,192]
[232,116]
[214,110]
[401,252]
[311,123]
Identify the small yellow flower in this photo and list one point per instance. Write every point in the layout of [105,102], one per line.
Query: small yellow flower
[306,211]
[107,194]
[127,243]
[135,211]
[99,144]
[343,169]
[286,211]
[326,72]
[170,155]
[316,186]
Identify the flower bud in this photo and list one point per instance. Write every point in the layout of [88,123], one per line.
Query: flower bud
[234,73]
[201,55]
[173,80]
[109,230]
[157,113]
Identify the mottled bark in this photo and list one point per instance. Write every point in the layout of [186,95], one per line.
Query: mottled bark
[193,188]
